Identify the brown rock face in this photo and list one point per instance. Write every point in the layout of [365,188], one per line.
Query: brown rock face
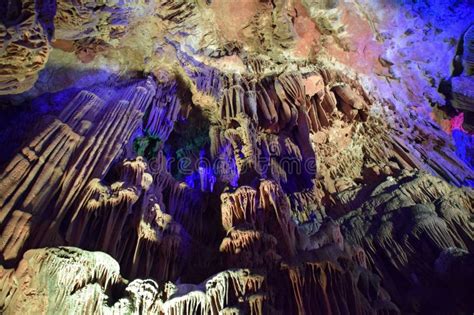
[63,155]
[24,48]
[234,157]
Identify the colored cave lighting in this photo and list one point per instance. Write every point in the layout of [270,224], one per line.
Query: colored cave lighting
[464,143]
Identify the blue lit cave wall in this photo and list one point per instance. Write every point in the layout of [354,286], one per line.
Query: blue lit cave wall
[455,18]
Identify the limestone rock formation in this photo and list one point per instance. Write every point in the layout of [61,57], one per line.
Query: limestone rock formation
[468,51]
[463,97]
[236,157]
[91,27]
[24,47]
[77,281]
[412,228]
[461,86]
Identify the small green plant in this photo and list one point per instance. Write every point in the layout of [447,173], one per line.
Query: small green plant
[147,145]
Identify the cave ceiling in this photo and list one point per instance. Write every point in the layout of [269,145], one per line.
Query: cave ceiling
[236,157]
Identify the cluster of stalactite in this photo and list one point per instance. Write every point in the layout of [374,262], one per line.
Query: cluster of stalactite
[413,228]
[51,173]
[80,282]
[97,177]
[79,182]
[324,273]
[54,191]
[283,127]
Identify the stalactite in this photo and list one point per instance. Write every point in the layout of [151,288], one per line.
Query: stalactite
[164,111]
[412,233]
[249,248]
[276,206]
[238,207]
[313,157]
[65,154]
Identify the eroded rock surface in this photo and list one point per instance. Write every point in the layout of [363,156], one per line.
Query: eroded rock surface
[24,47]
[236,157]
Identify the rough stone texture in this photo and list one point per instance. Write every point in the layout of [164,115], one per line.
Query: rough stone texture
[409,229]
[236,157]
[24,48]
[97,287]
[462,86]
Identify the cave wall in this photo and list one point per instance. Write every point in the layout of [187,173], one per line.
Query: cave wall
[236,157]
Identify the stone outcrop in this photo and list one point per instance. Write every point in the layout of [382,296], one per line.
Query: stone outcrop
[38,183]
[65,279]
[462,93]
[87,19]
[92,28]
[410,228]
